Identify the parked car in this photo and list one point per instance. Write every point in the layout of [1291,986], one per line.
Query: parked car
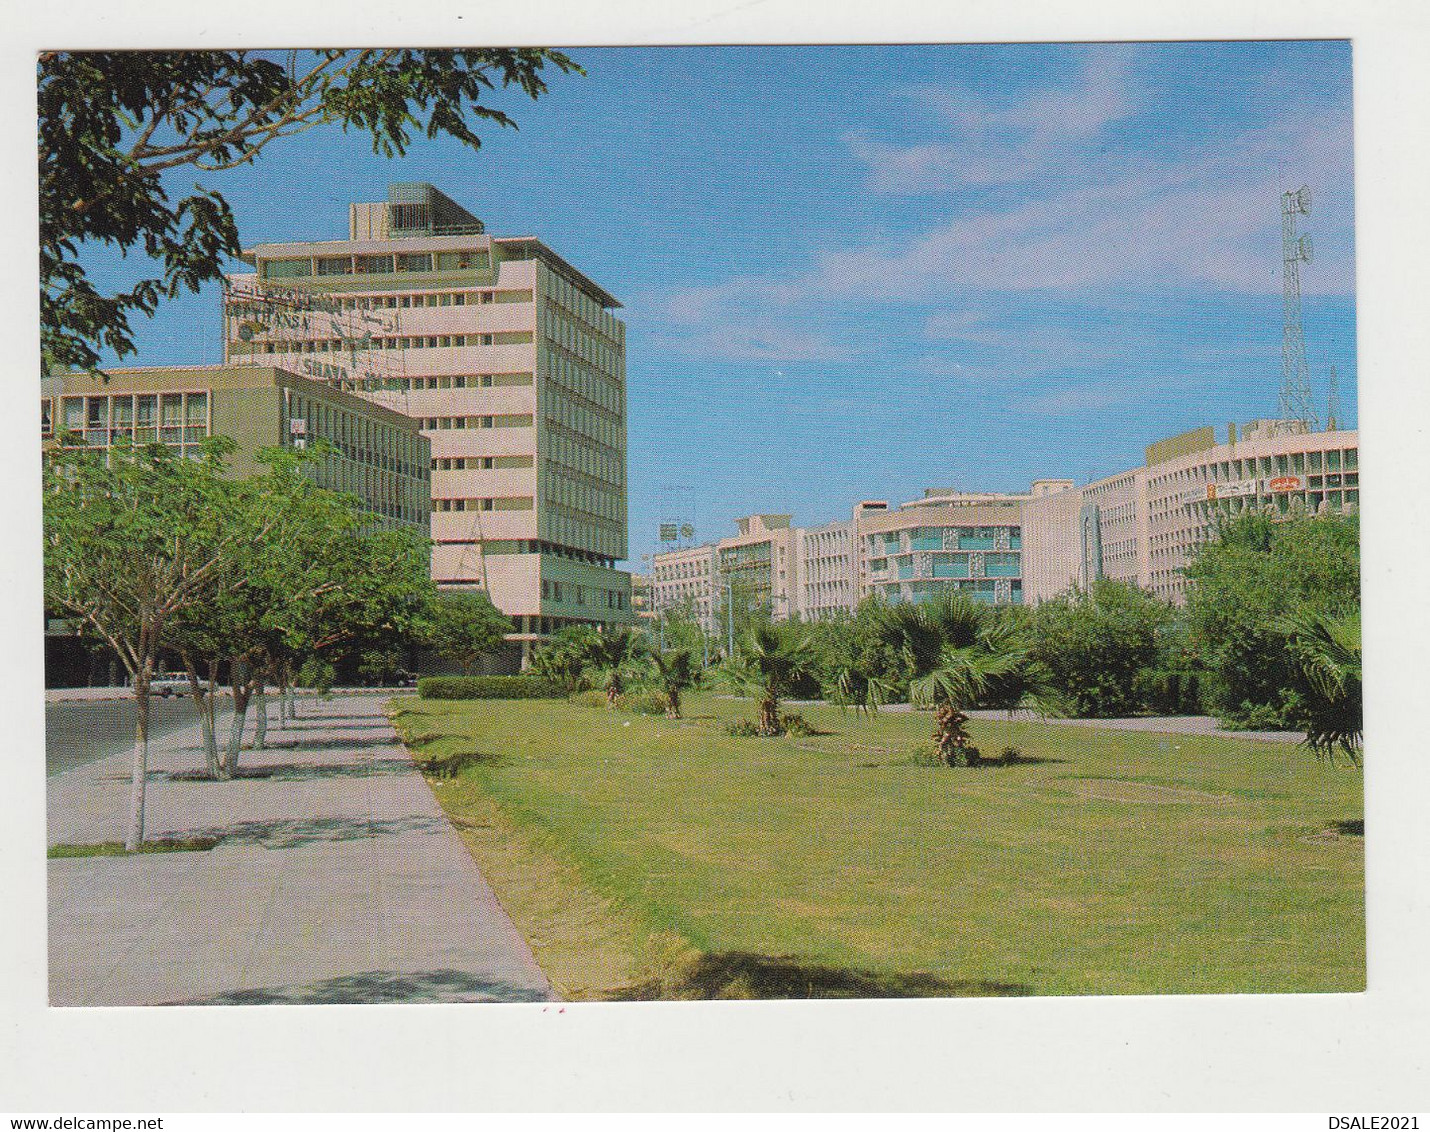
[167,686]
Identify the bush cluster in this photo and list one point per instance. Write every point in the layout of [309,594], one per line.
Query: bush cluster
[488,688]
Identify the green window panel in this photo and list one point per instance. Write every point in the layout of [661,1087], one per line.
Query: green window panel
[975,542]
[906,568]
[950,566]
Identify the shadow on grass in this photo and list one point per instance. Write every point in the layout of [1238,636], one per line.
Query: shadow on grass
[290,833]
[379,986]
[450,766]
[744,974]
[1354,827]
[297,772]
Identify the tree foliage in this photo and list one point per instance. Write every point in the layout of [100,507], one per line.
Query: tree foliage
[1094,643]
[769,661]
[1327,648]
[1245,584]
[111,124]
[465,625]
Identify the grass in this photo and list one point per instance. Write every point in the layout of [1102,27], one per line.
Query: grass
[646,858]
[116,848]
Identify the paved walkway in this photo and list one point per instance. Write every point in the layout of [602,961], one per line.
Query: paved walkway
[337,878]
[1162,724]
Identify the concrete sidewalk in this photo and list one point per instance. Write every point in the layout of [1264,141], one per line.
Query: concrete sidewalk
[337,878]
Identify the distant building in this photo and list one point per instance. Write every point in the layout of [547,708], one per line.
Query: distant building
[1142,525]
[685,581]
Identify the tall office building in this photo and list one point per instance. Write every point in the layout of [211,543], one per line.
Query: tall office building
[511,361]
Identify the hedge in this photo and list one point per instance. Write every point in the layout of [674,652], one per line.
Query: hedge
[488,688]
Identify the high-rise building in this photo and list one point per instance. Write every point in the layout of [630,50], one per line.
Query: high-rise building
[513,364]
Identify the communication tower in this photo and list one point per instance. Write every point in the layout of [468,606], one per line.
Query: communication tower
[1333,403]
[1295,404]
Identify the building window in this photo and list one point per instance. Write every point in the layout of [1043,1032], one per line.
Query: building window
[287,268]
[418,261]
[335,265]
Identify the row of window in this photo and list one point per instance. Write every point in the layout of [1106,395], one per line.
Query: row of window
[467,381]
[479,463]
[562,291]
[500,503]
[397,342]
[399,263]
[499,420]
[575,594]
[357,437]
[533,546]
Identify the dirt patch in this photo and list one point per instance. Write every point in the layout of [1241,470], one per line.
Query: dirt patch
[1119,790]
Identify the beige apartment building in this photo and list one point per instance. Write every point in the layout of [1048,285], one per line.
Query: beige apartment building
[684,581]
[508,358]
[1142,525]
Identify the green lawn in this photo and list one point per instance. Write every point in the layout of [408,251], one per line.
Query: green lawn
[645,857]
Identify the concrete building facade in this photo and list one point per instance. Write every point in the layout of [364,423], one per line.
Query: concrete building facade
[512,363]
[1143,525]
[378,455]
[684,581]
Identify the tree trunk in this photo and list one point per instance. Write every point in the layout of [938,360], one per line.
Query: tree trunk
[260,715]
[952,738]
[672,710]
[241,691]
[769,715]
[134,835]
[206,718]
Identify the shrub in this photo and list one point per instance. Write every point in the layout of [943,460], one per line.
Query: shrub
[488,688]
[590,698]
[1169,692]
[795,724]
[742,728]
[645,703]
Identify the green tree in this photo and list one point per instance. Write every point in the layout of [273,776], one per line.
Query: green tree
[1327,648]
[464,626]
[1094,642]
[859,665]
[111,124]
[133,542]
[675,671]
[1245,583]
[954,650]
[614,659]
[769,661]
[566,658]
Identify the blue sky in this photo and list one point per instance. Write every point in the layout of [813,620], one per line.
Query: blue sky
[856,273]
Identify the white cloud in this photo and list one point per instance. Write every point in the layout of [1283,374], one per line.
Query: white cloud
[992,144]
[1083,227]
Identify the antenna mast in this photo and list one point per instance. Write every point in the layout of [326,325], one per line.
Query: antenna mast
[1295,404]
[1333,403]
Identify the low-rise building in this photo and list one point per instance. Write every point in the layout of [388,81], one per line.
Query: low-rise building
[376,454]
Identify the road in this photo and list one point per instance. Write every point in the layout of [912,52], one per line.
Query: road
[79,733]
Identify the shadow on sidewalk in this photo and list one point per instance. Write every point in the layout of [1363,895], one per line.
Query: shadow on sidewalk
[380,986]
[290,833]
[297,772]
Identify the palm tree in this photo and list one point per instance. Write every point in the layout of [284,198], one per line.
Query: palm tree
[771,658]
[614,658]
[1328,649]
[955,650]
[675,670]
